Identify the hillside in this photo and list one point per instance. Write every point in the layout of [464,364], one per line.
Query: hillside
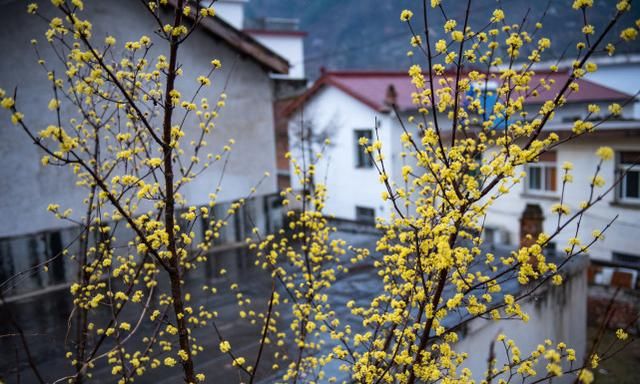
[367,34]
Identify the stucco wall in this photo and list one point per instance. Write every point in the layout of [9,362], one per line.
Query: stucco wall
[348,186]
[291,47]
[623,77]
[26,187]
[556,313]
[623,234]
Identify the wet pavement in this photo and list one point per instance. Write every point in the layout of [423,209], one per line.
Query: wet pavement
[44,319]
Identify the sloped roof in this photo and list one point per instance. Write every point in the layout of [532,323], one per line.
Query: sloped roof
[370,87]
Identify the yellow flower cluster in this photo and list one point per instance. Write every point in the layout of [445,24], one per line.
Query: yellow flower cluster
[434,275]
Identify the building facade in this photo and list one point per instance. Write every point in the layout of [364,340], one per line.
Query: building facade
[246,77]
[30,236]
[346,105]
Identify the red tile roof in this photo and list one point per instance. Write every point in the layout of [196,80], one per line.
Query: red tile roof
[370,87]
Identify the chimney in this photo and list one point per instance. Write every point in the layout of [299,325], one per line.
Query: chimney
[530,225]
[231,11]
[391,97]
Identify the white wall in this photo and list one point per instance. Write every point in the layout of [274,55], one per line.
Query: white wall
[27,187]
[621,237]
[231,11]
[348,186]
[622,77]
[556,313]
[291,47]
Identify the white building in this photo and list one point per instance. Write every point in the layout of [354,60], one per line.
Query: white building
[283,36]
[27,187]
[280,35]
[248,70]
[289,43]
[616,80]
[231,11]
[346,105]
[619,72]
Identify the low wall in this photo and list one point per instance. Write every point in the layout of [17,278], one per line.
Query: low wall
[557,313]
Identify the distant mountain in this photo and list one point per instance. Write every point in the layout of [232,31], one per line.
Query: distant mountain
[368,34]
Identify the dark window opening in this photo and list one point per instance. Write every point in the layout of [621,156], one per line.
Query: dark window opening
[629,187]
[626,258]
[366,215]
[363,159]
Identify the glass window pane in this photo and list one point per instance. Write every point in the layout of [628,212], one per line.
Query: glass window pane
[363,159]
[365,215]
[632,185]
[534,178]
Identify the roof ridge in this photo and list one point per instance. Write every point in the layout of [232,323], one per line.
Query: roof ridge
[360,84]
[364,72]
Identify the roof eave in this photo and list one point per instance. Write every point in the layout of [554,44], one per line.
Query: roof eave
[242,42]
[324,81]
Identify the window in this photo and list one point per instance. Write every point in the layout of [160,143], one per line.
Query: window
[626,258]
[55,248]
[365,215]
[629,187]
[363,159]
[542,176]
[496,236]
[490,236]
[486,94]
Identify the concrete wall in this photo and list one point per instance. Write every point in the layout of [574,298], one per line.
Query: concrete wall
[289,46]
[26,187]
[621,76]
[556,313]
[232,11]
[348,186]
[621,237]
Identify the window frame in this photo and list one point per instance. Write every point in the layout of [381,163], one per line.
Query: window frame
[620,168]
[548,163]
[360,208]
[363,160]
[629,259]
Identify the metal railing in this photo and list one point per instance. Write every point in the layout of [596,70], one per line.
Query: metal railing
[44,261]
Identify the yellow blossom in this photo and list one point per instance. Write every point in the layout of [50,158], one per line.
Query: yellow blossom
[615,109]
[577,4]
[621,334]
[125,326]
[406,15]
[225,346]
[605,153]
[498,15]
[7,102]
[629,34]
